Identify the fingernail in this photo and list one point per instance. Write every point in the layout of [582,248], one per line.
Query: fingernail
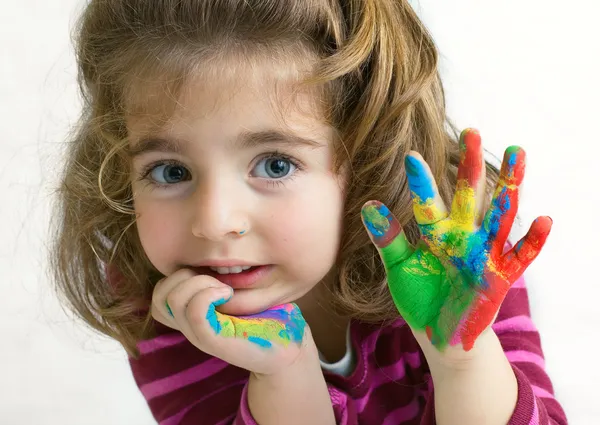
[413,166]
[226,294]
[513,167]
[375,217]
[380,223]
[468,131]
[169,309]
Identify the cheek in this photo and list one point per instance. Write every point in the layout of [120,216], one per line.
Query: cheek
[158,233]
[308,230]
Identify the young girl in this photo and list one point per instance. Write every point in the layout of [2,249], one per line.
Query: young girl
[217,219]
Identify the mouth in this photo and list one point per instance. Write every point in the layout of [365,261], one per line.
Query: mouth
[238,277]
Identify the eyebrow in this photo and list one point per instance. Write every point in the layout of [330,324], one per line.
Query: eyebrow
[246,140]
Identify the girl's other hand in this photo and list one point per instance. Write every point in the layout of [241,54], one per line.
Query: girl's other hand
[451,285]
[262,343]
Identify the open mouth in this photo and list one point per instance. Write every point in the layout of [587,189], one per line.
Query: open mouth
[232,270]
[237,277]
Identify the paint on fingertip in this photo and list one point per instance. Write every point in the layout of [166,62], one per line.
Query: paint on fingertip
[419,180]
[513,167]
[211,314]
[213,320]
[227,293]
[380,223]
[375,218]
[169,309]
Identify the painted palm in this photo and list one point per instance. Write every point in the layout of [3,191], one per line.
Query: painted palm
[452,283]
[280,324]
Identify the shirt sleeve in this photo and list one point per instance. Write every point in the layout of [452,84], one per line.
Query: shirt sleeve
[184,386]
[521,343]
[345,412]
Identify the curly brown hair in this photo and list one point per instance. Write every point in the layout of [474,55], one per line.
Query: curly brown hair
[375,65]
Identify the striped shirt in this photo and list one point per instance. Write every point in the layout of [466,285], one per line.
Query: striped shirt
[390,384]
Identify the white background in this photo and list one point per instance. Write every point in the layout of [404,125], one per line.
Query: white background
[522,72]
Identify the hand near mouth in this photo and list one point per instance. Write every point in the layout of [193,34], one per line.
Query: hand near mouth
[263,343]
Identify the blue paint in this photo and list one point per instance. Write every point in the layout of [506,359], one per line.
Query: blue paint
[242,232]
[295,326]
[500,205]
[375,231]
[376,227]
[476,260]
[512,160]
[221,301]
[260,341]
[211,314]
[383,210]
[520,245]
[419,180]
[169,309]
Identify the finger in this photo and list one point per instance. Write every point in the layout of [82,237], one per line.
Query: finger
[517,259]
[159,309]
[280,325]
[470,185]
[198,319]
[181,295]
[428,205]
[505,201]
[172,293]
[385,233]
[159,314]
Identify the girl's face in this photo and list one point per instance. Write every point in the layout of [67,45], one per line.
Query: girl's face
[227,185]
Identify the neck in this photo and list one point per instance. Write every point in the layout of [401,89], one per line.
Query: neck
[328,329]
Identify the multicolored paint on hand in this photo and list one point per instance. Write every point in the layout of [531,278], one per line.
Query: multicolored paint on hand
[280,325]
[451,285]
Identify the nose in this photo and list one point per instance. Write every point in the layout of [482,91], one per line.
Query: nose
[218,212]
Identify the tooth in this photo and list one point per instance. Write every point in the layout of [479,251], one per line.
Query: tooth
[230,270]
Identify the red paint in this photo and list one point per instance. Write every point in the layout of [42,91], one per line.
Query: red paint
[471,161]
[523,253]
[513,171]
[484,309]
[510,267]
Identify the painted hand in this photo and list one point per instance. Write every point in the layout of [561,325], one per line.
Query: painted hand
[451,285]
[263,343]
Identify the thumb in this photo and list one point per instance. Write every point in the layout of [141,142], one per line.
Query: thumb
[385,233]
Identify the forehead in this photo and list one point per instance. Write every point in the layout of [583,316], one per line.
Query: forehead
[264,93]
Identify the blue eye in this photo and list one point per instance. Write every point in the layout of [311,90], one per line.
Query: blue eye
[169,174]
[274,167]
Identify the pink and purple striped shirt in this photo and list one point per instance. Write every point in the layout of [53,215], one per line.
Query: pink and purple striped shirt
[390,383]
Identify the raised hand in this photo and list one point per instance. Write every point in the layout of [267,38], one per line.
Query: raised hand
[451,285]
[263,343]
